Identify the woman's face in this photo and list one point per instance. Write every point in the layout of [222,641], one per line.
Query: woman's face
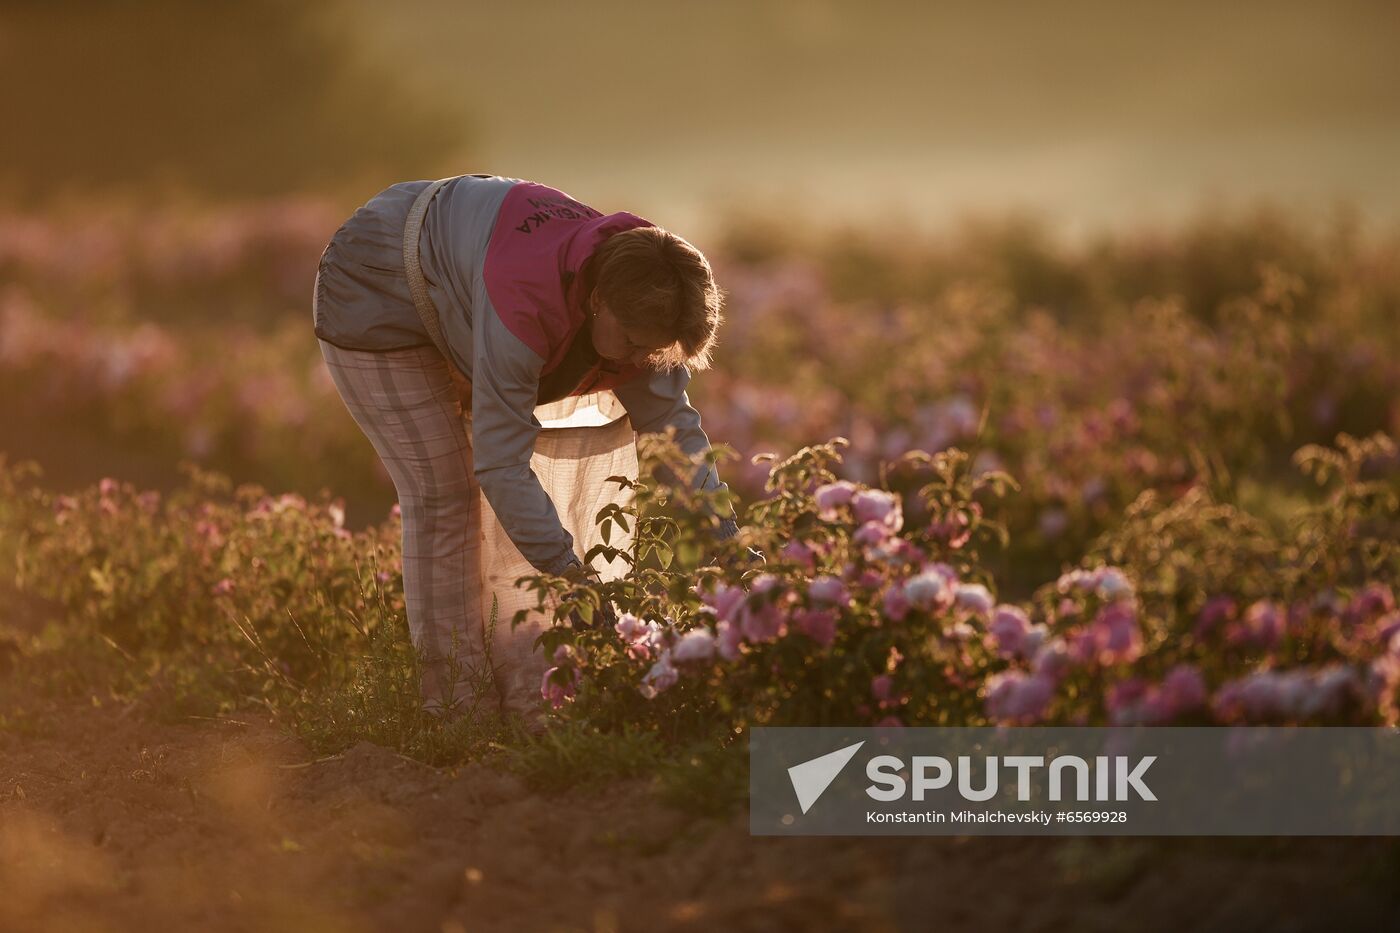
[614,343]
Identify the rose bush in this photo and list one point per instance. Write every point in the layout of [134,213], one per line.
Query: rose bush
[1203,616]
[1191,612]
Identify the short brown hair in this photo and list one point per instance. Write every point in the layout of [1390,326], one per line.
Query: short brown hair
[657,284]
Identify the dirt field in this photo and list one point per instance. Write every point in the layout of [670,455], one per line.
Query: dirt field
[109,821]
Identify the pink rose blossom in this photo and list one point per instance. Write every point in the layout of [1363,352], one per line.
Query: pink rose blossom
[828,589]
[1009,628]
[1077,581]
[1387,628]
[727,640]
[1124,701]
[1113,637]
[1261,627]
[954,531]
[1334,687]
[695,645]
[1375,599]
[559,693]
[642,638]
[871,534]
[1184,689]
[876,505]
[974,598]
[724,602]
[944,570]
[1135,702]
[1052,659]
[1113,584]
[1015,697]
[662,676]
[870,579]
[831,497]
[762,623]
[818,625]
[929,590]
[764,582]
[1217,611]
[1299,694]
[895,550]
[799,553]
[630,628]
[895,604]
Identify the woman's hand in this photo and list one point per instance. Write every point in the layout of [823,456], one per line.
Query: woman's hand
[606,617]
[581,573]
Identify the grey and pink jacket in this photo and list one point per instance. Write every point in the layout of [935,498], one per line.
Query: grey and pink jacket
[502,258]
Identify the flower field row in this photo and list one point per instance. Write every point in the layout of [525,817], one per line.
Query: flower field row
[868,609]
[866,615]
[1088,403]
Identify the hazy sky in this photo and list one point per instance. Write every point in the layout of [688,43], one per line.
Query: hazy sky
[1093,114]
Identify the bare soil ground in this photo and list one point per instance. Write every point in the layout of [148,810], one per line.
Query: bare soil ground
[112,821]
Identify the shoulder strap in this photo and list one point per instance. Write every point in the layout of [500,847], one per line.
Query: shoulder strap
[413,269]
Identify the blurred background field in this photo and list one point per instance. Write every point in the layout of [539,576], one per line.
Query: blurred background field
[908,204]
[1093,114]
[1135,362]
[1135,255]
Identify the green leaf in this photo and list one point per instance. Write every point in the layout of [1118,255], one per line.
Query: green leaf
[689,553]
[606,530]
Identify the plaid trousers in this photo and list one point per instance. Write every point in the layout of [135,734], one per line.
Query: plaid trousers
[457,558]
[407,405]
